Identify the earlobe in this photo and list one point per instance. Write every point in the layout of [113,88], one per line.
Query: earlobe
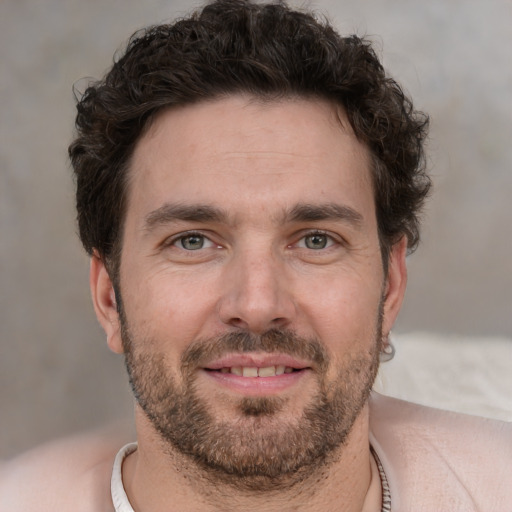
[395,284]
[104,301]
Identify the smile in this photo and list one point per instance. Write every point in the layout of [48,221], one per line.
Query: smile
[257,374]
[252,371]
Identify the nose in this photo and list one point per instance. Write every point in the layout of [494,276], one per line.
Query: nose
[256,293]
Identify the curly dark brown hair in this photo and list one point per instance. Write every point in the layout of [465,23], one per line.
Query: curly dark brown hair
[237,46]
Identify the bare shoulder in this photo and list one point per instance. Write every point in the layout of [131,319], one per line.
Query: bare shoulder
[420,420]
[462,455]
[68,474]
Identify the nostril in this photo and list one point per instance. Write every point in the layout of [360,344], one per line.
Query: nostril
[258,325]
[279,322]
[238,322]
[255,313]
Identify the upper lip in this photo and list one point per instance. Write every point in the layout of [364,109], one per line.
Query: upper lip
[255,360]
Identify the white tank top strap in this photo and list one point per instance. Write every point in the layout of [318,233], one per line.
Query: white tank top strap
[119,498]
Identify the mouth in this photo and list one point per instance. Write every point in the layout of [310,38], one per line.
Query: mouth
[254,371]
[257,364]
[257,374]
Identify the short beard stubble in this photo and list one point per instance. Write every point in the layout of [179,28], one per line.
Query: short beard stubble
[259,452]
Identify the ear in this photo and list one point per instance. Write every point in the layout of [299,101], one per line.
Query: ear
[395,284]
[104,300]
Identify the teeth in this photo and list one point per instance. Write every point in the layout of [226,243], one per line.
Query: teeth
[247,371]
[280,370]
[250,371]
[270,371]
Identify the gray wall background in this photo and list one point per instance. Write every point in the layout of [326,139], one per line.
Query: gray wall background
[453,56]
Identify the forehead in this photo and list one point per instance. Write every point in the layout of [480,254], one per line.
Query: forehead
[238,149]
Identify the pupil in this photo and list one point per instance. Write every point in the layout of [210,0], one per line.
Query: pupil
[316,241]
[192,242]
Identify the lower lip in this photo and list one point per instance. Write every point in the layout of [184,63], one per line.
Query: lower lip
[257,386]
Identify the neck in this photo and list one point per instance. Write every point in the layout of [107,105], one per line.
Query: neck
[155,477]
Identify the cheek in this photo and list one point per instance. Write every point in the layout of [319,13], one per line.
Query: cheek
[343,312]
[169,308]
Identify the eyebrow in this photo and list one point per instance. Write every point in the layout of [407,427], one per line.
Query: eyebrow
[305,212]
[302,212]
[172,212]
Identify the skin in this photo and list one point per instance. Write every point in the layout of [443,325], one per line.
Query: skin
[256,162]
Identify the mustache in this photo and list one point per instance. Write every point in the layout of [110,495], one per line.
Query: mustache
[283,341]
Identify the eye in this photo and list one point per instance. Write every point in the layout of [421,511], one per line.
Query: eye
[193,242]
[316,241]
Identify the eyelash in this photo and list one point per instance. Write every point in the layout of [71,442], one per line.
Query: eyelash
[331,240]
[182,236]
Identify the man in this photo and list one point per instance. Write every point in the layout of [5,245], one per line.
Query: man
[248,186]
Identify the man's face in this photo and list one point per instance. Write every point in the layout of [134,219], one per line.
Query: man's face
[253,292]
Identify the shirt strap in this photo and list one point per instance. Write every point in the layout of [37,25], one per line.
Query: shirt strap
[119,498]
